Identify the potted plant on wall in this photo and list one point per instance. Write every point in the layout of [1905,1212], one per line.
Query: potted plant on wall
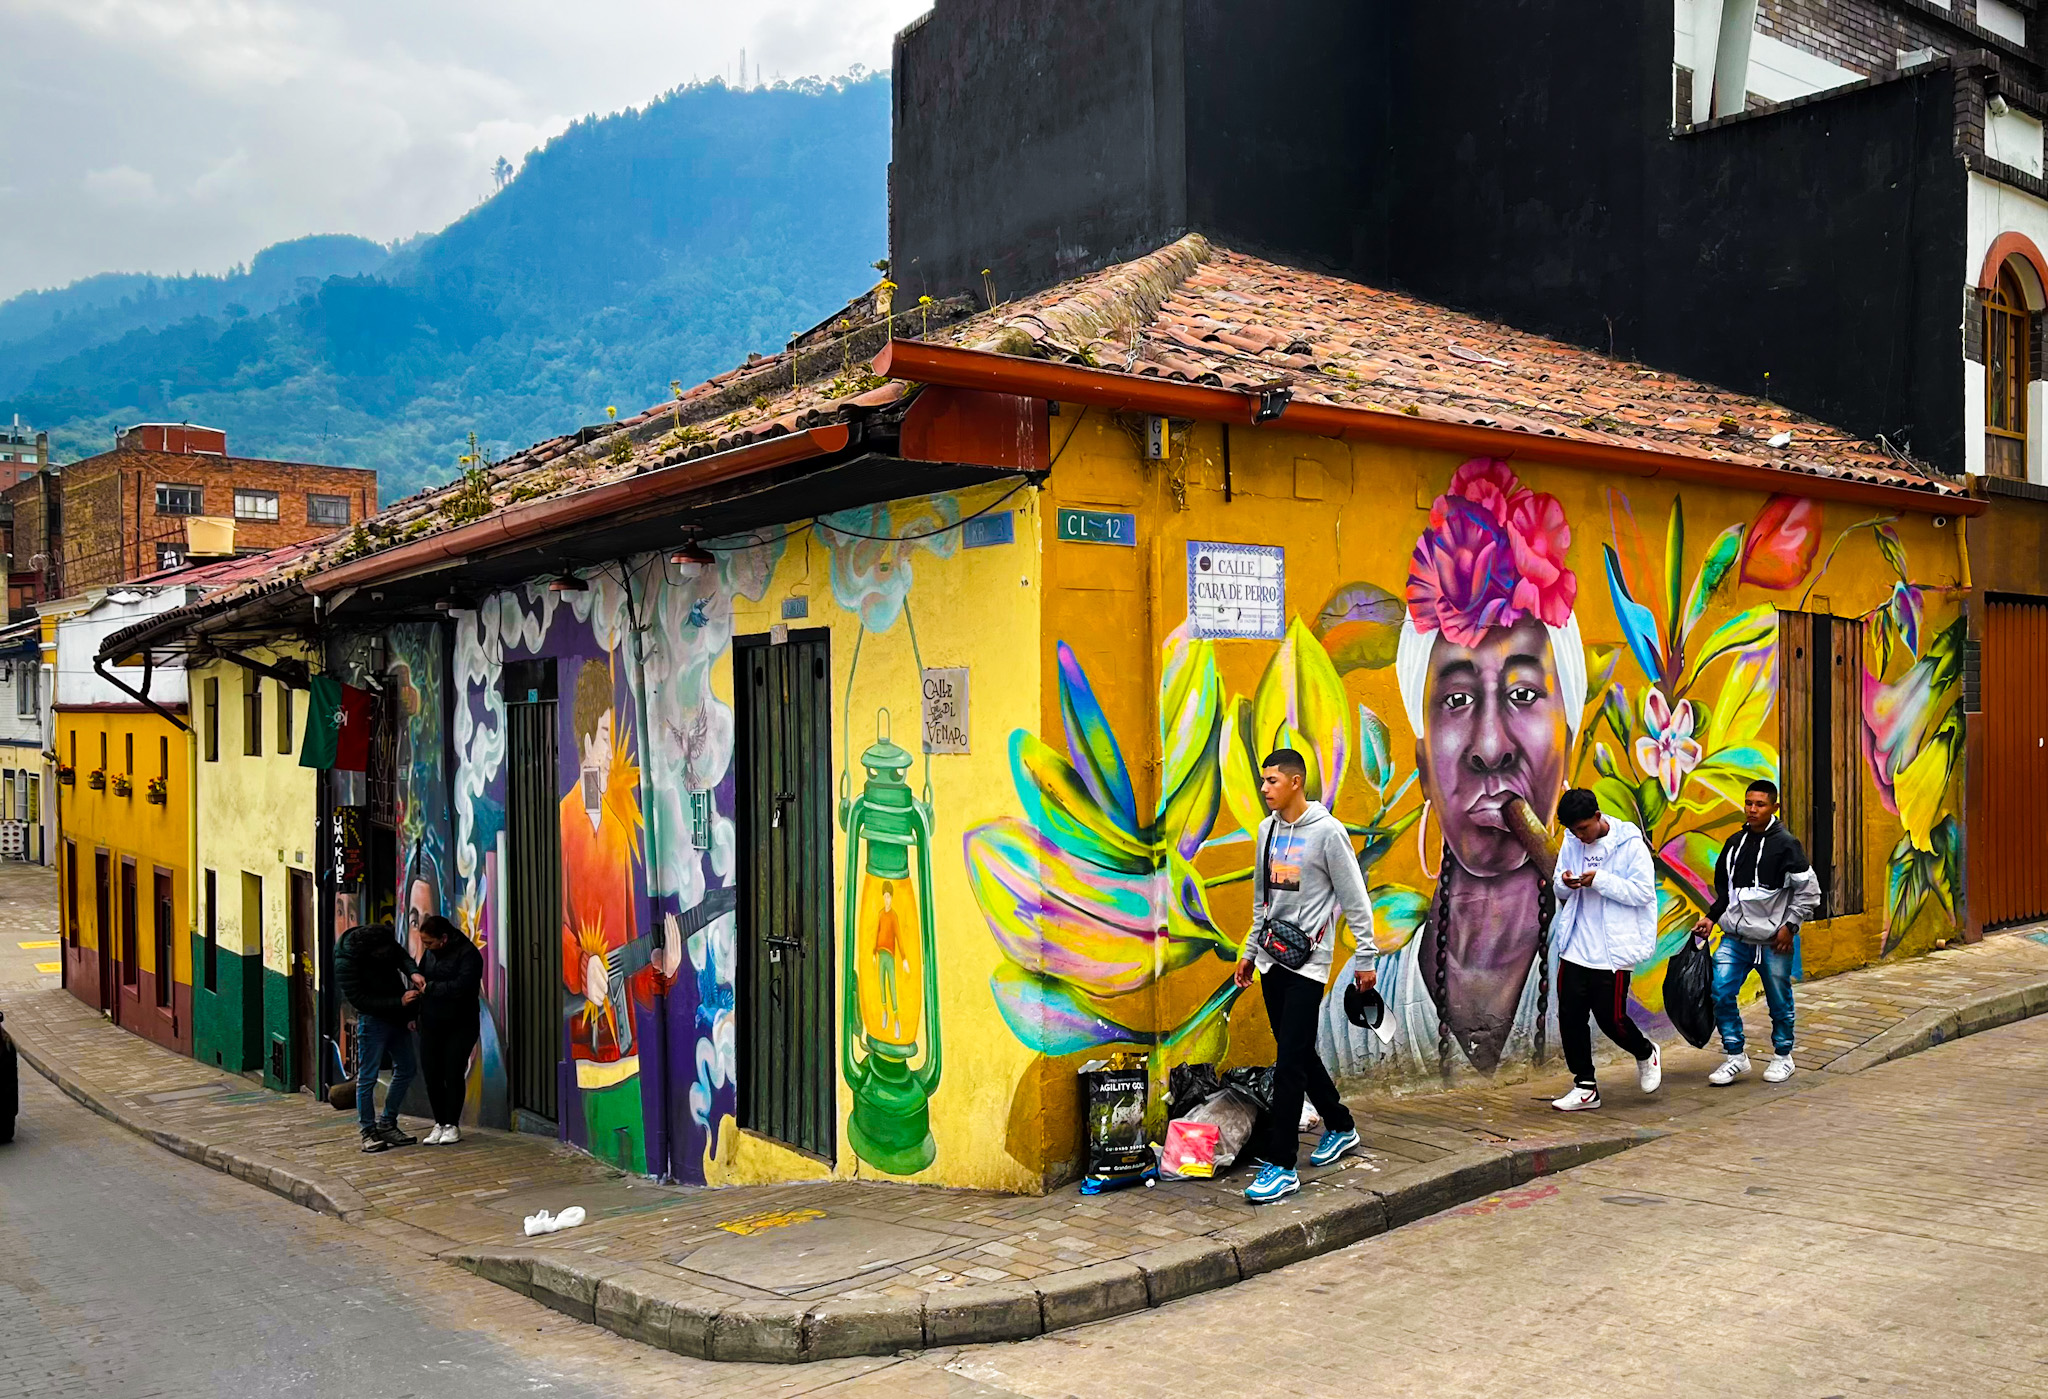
[67,774]
[97,779]
[123,787]
[159,791]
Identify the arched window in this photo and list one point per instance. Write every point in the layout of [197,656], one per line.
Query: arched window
[2007,373]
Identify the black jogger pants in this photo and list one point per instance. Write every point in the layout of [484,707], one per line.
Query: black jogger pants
[1293,1005]
[1603,994]
[444,1063]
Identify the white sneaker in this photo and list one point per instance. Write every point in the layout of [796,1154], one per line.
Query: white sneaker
[432,1138]
[450,1135]
[1736,1067]
[1780,1069]
[1578,1100]
[1650,1071]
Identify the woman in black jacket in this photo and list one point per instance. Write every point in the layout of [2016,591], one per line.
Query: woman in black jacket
[454,972]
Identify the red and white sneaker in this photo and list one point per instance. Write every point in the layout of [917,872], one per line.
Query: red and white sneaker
[1650,1071]
[1578,1100]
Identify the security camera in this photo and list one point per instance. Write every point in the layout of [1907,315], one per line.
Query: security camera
[1998,105]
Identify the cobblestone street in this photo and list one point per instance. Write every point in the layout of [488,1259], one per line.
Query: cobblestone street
[1794,1219]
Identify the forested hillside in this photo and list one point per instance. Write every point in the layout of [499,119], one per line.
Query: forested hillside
[654,245]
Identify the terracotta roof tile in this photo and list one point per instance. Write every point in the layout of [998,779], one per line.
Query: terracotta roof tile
[1201,314]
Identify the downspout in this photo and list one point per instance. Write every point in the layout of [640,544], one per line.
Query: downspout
[655,847]
[192,880]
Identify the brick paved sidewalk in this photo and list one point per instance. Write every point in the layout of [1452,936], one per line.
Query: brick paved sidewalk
[806,1270]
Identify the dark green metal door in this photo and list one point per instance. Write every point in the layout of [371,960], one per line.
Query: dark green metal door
[787,1089]
[533,895]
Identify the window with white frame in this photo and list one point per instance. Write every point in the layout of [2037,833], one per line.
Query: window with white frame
[255,505]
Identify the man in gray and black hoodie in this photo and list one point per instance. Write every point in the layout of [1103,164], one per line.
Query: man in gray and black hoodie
[1764,888]
[1307,873]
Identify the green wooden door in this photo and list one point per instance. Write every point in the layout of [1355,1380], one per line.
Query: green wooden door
[787,1089]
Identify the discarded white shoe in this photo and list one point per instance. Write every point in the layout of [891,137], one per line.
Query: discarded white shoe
[540,1223]
[569,1218]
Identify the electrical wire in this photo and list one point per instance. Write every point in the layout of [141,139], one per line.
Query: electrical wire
[819,522]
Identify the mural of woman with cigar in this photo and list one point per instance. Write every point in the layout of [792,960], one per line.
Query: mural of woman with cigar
[1492,674]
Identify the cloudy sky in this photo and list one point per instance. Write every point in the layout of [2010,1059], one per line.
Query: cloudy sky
[183,135]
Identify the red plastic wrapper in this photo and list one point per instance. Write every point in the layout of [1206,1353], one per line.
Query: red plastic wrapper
[1190,1150]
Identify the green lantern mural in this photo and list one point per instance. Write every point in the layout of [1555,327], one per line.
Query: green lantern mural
[891,990]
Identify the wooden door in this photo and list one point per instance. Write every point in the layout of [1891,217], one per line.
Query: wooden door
[103,927]
[533,883]
[299,980]
[131,962]
[787,1044]
[166,945]
[2015,719]
[1820,679]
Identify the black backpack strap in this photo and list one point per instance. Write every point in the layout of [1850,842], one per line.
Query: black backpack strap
[1265,853]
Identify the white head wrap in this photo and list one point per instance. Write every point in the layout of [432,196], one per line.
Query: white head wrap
[1567,653]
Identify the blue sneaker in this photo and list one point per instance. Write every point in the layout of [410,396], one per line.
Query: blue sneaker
[1332,1146]
[1272,1183]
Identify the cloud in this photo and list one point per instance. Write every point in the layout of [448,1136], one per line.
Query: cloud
[221,126]
[119,186]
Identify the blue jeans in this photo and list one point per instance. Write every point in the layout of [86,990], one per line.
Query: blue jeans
[373,1037]
[1732,962]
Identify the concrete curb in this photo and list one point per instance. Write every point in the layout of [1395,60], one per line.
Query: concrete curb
[663,1311]
[1933,1025]
[308,1189]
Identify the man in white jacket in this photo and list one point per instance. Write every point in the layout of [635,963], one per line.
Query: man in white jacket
[1606,924]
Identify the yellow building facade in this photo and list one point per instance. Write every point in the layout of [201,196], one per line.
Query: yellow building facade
[254,946]
[126,845]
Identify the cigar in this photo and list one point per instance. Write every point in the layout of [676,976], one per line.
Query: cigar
[1535,837]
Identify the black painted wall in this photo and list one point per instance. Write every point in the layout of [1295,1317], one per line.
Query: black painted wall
[1512,158]
[1038,138]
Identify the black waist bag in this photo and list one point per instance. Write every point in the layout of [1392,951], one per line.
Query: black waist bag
[1286,943]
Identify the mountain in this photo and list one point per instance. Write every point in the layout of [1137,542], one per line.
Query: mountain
[633,250]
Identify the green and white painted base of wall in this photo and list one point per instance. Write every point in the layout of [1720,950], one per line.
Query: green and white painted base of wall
[227,1021]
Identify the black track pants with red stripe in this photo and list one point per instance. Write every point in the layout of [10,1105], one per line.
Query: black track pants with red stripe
[1582,991]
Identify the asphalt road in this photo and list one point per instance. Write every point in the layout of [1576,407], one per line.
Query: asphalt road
[125,1271]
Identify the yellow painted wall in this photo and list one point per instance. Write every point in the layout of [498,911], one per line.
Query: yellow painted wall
[154,836]
[256,813]
[1352,514]
[977,608]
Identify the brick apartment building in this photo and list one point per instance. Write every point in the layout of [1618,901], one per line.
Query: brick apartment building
[166,493]
[23,452]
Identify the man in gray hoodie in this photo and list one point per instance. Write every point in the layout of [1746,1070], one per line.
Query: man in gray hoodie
[1306,874]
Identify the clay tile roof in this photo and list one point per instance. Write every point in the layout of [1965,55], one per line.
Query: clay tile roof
[1203,314]
[822,377]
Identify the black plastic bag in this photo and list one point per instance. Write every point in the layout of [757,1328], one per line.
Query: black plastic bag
[1689,991]
[1188,1086]
[1255,1084]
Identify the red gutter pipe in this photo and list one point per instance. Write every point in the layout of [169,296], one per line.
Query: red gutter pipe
[955,367]
[523,523]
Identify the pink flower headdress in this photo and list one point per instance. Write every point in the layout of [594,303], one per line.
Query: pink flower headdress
[1493,554]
